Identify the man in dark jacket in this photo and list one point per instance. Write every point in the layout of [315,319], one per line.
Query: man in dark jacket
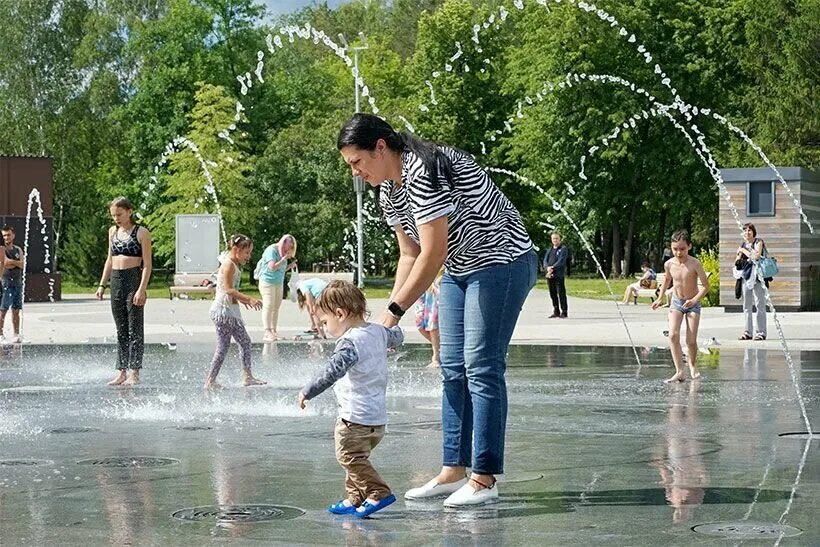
[555,266]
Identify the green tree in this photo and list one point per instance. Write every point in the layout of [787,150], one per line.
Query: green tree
[186,189]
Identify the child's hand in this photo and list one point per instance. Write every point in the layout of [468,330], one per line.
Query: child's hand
[656,304]
[302,400]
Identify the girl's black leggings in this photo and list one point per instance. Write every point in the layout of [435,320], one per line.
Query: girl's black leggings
[128,318]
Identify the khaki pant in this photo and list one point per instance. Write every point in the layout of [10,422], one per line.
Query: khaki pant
[353,445]
[271,301]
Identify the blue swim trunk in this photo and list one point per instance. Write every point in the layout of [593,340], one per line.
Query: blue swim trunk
[12,298]
[677,304]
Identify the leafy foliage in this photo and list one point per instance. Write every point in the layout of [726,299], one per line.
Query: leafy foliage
[103,86]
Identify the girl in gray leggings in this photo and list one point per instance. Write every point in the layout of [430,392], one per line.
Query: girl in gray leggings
[226,315]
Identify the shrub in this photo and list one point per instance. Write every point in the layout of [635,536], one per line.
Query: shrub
[709,259]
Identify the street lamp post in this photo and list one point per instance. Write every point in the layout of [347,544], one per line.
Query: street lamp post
[358,182]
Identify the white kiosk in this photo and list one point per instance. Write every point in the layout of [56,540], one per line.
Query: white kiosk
[197,252]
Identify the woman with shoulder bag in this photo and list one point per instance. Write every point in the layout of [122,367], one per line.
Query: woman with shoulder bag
[753,249]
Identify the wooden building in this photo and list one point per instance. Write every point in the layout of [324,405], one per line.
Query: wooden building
[761,199]
[18,177]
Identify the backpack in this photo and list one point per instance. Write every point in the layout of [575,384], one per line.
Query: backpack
[257,271]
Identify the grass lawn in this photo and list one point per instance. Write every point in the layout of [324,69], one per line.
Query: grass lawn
[593,288]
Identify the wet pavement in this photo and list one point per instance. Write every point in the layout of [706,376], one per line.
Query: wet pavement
[599,451]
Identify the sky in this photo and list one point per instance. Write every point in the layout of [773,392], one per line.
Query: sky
[276,7]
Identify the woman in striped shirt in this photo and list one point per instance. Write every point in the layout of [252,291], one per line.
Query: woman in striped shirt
[445,209]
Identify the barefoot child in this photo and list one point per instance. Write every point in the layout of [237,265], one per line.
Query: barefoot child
[357,370]
[225,311]
[684,271]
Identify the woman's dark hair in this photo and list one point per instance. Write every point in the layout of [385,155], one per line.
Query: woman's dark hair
[364,130]
[751,226]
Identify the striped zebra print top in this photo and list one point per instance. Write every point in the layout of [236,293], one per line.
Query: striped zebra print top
[484,228]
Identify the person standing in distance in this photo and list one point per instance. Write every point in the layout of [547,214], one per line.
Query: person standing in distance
[12,276]
[555,268]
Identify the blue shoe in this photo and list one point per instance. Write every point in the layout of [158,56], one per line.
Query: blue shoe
[366,509]
[341,508]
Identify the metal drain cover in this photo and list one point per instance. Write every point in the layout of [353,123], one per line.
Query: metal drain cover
[238,513]
[35,389]
[514,477]
[129,461]
[800,435]
[73,430]
[626,410]
[747,530]
[190,427]
[24,462]
[420,426]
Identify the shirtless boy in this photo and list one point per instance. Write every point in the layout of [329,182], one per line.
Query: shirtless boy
[685,271]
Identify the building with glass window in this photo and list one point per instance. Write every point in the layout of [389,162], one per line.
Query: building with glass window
[760,198]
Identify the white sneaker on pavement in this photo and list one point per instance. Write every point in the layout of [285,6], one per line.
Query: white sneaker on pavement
[434,490]
[467,496]
[16,339]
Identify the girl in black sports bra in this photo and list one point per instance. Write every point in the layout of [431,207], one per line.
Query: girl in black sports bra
[129,268]
[126,247]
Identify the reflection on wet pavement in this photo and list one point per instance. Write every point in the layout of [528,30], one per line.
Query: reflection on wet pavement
[594,453]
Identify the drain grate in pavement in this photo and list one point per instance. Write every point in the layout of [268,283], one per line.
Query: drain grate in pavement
[626,410]
[800,435]
[422,426]
[747,530]
[190,427]
[238,513]
[60,430]
[35,389]
[514,477]
[23,462]
[129,461]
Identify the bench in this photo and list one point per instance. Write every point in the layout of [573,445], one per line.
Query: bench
[191,284]
[652,292]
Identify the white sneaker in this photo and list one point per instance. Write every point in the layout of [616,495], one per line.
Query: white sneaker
[3,339]
[16,339]
[467,496]
[434,490]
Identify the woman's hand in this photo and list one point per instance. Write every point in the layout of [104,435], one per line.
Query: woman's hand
[140,297]
[254,304]
[301,401]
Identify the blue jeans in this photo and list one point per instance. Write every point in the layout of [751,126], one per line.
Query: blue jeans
[477,315]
